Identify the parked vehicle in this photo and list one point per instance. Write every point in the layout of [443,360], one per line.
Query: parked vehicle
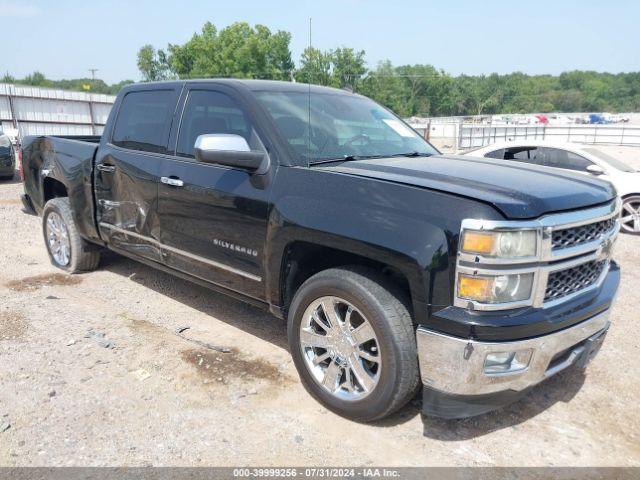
[584,159]
[7,158]
[599,119]
[392,265]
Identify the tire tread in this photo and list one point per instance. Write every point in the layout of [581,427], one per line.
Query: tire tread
[399,319]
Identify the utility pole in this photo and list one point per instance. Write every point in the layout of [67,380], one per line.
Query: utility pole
[93,79]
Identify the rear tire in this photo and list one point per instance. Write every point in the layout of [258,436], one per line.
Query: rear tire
[389,359]
[66,248]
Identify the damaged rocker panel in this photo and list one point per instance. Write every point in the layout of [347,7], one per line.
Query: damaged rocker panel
[198,258]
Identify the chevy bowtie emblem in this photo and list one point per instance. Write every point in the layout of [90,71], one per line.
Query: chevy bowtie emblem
[606,249]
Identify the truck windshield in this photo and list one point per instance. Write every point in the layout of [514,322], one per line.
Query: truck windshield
[342,126]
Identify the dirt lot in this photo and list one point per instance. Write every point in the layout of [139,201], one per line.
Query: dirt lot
[92,373]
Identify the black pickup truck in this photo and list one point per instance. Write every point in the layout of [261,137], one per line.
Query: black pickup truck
[396,268]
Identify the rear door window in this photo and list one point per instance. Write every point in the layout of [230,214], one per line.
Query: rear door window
[143,121]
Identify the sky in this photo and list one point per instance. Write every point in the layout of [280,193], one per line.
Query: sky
[65,38]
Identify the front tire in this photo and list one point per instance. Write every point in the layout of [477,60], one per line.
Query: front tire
[66,248]
[353,343]
[630,216]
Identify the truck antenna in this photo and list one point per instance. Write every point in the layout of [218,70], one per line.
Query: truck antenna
[309,102]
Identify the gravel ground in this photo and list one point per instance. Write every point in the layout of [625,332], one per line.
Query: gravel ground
[92,373]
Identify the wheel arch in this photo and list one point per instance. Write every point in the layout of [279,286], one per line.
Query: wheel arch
[80,200]
[301,259]
[53,188]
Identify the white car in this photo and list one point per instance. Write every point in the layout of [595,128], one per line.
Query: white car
[585,159]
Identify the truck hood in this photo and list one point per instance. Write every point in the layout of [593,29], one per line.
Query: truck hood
[517,190]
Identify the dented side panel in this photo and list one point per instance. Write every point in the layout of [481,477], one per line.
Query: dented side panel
[127,201]
[53,160]
[126,179]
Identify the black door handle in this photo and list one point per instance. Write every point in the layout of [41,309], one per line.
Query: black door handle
[106,168]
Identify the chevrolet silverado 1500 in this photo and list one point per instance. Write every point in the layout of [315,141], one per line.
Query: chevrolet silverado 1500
[395,267]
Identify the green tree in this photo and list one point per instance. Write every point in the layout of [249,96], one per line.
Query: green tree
[341,68]
[37,79]
[238,50]
[152,64]
[478,95]
[115,88]
[315,67]
[347,67]
[8,78]
[245,51]
[385,86]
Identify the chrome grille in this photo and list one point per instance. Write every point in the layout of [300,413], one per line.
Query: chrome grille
[570,237]
[568,281]
[572,257]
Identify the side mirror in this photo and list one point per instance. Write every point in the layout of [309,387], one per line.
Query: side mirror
[231,150]
[595,170]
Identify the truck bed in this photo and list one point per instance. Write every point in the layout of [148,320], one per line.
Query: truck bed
[62,166]
[80,138]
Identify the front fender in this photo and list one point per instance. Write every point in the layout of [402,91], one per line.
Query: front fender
[411,229]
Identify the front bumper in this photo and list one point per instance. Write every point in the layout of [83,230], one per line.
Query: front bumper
[453,368]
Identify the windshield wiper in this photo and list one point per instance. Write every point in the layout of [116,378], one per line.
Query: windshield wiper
[350,158]
[347,158]
[412,154]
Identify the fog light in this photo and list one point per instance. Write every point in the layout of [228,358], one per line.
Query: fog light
[507,362]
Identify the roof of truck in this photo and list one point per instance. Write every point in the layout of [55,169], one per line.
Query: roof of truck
[257,85]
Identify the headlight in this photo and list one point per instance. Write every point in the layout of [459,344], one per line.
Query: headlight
[506,244]
[495,288]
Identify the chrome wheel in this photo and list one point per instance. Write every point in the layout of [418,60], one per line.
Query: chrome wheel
[340,348]
[58,239]
[630,217]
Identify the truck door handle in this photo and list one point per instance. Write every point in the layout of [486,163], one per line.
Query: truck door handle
[106,168]
[176,182]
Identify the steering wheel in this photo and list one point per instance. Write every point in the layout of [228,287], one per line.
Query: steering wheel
[361,136]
